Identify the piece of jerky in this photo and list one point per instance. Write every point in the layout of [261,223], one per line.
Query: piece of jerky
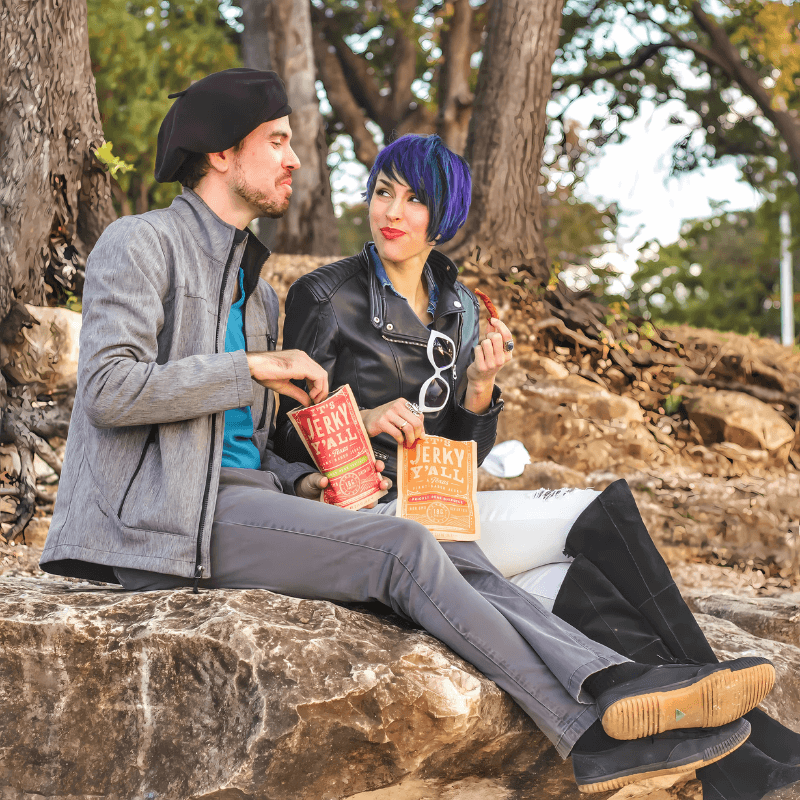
[488,303]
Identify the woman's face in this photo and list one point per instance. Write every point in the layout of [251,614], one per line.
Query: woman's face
[399,223]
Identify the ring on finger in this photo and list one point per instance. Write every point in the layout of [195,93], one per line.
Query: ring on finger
[508,346]
[405,422]
[413,408]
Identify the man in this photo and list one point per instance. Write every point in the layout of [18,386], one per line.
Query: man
[170,480]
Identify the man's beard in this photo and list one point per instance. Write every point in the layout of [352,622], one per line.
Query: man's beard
[257,199]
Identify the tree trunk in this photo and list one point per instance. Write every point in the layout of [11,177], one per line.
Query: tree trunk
[277,35]
[55,201]
[53,192]
[506,134]
[455,96]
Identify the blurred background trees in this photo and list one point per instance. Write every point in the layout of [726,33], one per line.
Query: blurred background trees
[360,72]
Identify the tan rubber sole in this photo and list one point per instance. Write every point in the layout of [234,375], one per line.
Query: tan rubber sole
[618,783]
[718,699]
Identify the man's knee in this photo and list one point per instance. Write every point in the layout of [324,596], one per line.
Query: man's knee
[404,537]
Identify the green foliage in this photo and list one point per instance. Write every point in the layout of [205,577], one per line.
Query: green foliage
[114,164]
[142,51]
[672,402]
[653,61]
[371,30]
[353,225]
[723,273]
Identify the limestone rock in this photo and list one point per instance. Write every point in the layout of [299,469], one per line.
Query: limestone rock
[730,641]
[588,400]
[776,618]
[249,695]
[740,419]
[246,695]
[46,355]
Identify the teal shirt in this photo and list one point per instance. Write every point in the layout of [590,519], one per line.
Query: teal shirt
[238,449]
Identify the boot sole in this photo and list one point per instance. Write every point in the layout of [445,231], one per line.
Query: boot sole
[710,702]
[709,756]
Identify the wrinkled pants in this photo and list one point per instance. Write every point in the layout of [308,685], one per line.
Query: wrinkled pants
[264,539]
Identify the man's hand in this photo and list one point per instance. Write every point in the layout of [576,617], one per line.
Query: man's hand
[277,370]
[310,486]
[396,419]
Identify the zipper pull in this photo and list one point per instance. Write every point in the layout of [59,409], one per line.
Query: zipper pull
[198,574]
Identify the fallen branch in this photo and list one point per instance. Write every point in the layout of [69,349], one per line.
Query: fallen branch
[554,322]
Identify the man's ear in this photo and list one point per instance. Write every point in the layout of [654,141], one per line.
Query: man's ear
[221,162]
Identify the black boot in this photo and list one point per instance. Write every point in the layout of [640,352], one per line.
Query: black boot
[749,774]
[612,537]
[611,534]
[588,601]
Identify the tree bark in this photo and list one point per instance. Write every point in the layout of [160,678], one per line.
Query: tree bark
[53,192]
[506,134]
[455,96]
[277,35]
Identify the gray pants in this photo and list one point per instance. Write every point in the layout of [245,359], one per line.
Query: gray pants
[263,539]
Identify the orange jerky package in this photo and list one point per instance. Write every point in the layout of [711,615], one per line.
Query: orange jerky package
[334,435]
[437,482]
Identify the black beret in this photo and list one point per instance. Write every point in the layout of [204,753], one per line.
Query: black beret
[215,113]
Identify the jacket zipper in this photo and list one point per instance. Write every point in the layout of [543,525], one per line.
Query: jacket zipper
[198,567]
[151,437]
[270,346]
[417,344]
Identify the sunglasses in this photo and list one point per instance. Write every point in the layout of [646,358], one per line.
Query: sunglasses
[435,392]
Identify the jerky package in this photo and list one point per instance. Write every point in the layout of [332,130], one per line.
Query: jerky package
[334,435]
[437,484]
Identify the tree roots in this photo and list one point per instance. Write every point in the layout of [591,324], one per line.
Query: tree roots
[28,428]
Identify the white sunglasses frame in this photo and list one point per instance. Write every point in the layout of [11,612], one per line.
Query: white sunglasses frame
[437,373]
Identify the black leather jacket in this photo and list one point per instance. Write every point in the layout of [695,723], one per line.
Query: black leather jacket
[366,336]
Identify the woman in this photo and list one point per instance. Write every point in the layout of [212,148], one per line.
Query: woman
[395,324]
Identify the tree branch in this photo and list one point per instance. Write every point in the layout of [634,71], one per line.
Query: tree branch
[455,97]
[749,81]
[638,59]
[330,70]
[405,66]
[355,72]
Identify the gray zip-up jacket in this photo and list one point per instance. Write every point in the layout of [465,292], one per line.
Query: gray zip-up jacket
[141,469]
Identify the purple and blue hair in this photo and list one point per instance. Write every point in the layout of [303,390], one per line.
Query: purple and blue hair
[439,178]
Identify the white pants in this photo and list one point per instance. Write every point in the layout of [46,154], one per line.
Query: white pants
[523,534]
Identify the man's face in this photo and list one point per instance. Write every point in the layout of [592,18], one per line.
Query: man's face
[263,166]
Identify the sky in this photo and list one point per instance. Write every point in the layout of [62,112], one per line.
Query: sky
[635,175]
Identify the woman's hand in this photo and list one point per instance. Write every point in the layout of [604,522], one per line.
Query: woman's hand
[491,355]
[397,419]
[311,486]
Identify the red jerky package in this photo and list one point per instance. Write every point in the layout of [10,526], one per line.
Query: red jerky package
[334,435]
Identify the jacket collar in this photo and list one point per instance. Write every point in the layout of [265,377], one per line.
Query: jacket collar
[445,273]
[216,237]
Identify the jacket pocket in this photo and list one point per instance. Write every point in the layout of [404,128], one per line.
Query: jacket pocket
[151,437]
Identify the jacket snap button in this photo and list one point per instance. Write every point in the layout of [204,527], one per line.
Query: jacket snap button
[457,304]
[376,320]
[390,327]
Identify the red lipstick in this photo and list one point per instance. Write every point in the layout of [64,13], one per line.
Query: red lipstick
[392,233]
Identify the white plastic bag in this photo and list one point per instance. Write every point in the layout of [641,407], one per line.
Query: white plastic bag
[507,459]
